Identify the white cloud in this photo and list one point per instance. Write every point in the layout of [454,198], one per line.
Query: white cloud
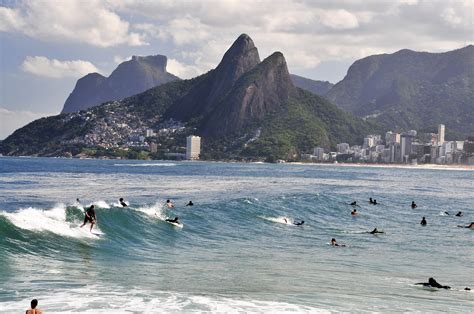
[12,120]
[89,22]
[182,70]
[339,19]
[120,59]
[53,68]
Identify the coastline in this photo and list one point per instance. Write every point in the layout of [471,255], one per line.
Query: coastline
[399,166]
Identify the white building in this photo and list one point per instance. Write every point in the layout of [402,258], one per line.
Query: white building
[441,134]
[369,142]
[343,148]
[149,133]
[319,153]
[193,147]
[392,137]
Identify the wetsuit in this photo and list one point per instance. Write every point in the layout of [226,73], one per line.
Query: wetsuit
[90,215]
[123,204]
[433,283]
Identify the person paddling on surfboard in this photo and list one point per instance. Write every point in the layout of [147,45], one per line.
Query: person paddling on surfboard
[122,202]
[169,204]
[354,203]
[190,203]
[175,220]
[470,226]
[432,283]
[299,223]
[334,243]
[375,231]
[89,216]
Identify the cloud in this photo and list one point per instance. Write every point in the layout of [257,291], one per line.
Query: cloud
[90,22]
[53,68]
[182,70]
[12,120]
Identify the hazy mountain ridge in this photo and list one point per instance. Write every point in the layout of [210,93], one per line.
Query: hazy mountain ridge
[129,78]
[411,90]
[320,88]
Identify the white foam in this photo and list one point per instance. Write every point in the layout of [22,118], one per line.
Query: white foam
[93,299]
[147,165]
[100,204]
[52,220]
[156,210]
[280,219]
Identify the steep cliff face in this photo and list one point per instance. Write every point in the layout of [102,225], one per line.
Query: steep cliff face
[129,78]
[240,58]
[410,89]
[258,92]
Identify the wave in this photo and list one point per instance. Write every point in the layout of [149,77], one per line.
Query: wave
[280,219]
[95,299]
[56,220]
[147,165]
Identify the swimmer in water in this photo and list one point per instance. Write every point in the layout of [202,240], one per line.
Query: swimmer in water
[122,202]
[470,226]
[375,231]
[34,309]
[334,243]
[423,221]
[169,204]
[459,214]
[354,212]
[175,220]
[375,202]
[432,283]
[89,216]
[413,205]
[299,223]
[370,200]
[190,203]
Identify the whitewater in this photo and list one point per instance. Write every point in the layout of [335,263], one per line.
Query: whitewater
[239,249]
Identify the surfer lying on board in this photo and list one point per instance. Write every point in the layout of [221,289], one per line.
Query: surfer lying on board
[169,204]
[334,243]
[89,216]
[375,231]
[432,283]
[299,223]
[354,203]
[470,226]
[190,203]
[175,220]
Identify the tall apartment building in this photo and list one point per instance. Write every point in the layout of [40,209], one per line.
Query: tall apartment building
[441,129]
[193,147]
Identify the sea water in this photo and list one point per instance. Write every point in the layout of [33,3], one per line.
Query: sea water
[239,250]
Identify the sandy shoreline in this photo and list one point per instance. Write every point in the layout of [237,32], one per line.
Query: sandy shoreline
[424,166]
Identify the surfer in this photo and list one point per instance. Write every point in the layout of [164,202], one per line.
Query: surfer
[354,212]
[77,200]
[432,283]
[89,216]
[370,200]
[459,214]
[375,231]
[334,243]
[169,204]
[413,205]
[423,221]
[175,220]
[122,202]
[375,202]
[299,223]
[354,203]
[190,203]
[470,226]
[34,309]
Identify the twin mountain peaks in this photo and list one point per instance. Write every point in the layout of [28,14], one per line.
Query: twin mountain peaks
[250,108]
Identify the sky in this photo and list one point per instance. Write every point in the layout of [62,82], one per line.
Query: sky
[46,45]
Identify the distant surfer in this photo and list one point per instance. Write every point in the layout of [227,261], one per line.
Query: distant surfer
[334,243]
[89,216]
[354,212]
[122,202]
[299,223]
[375,202]
[432,283]
[470,226]
[375,231]
[169,204]
[174,221]
[34,309]
[423,221]
[190,203]
[371,201]
[77,200]
[354,203]
[459,214]
[413,205]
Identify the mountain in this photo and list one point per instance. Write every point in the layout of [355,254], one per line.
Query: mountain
[129,78]
[411,90]
[316,87]
[244,108]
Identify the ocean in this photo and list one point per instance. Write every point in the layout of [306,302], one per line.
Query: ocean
[235,252]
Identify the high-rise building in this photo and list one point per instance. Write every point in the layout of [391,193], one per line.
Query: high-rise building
[319,153]
[440,134]
[405,146]
[343,148]
[392,137]
[193,147]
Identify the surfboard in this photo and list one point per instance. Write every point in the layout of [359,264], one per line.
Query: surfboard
[179,225]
